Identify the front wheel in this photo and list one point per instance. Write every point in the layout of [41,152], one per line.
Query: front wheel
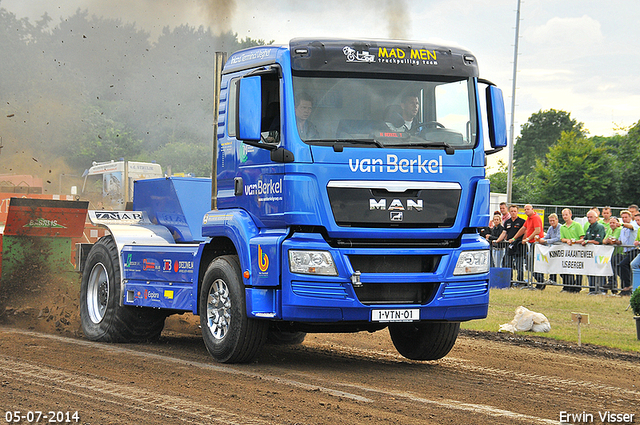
[424,341]
[229,335]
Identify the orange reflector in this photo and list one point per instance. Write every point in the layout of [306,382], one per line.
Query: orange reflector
[246,274]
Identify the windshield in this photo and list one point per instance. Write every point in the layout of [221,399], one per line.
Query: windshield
[385,112]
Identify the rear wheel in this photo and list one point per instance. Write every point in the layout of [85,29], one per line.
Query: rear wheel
[229,335]
[101,315]
[424,341]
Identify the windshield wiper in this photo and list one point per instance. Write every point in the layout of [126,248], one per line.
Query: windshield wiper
[338,143]
[449,150]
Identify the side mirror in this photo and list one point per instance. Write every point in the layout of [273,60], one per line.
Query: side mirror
[249,108]
[496,118]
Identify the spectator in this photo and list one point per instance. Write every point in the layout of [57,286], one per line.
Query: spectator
[635,268]
[504,211]
[635,262]
[586,225]
[493,235]
[595,231]
[570,233]
[606,216]
[553,232]
[633,210]
[612,237]
[552,237]
[514,258]
[594,235]
[532,231]
[621,262]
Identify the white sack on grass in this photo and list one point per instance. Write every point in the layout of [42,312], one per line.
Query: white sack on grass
[526,320]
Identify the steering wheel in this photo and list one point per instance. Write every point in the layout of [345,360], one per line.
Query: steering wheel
[433,124]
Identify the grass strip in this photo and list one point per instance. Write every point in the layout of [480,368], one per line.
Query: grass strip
[611,323]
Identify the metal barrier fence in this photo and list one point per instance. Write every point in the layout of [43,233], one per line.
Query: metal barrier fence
[519,258]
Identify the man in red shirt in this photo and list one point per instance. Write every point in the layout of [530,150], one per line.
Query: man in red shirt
[532,231]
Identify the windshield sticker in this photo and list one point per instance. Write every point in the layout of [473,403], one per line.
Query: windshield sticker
[251,55]
[393,55]
[354,56]
[396,165]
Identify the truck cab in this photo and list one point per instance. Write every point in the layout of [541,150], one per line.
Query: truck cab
[349,186]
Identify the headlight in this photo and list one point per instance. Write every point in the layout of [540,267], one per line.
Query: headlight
[312,262]
[472,262]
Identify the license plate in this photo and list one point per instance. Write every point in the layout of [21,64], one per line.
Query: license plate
[396,315]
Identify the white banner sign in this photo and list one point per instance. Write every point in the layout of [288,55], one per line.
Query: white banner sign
[592,260]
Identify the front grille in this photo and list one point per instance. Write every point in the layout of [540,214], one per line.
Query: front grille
[434,206]
[396,293]
[394,263]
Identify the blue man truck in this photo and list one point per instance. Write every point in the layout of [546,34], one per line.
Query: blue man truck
[348,188]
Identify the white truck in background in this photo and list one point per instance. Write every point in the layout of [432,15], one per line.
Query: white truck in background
[117,180]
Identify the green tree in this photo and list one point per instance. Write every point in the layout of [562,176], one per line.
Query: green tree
[101,54]
[522,190]
[498,179]
[627,169]
[103,140]
[577,171]
[538,134]
[184,157]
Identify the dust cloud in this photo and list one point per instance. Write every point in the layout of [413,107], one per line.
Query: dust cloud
[121,79]
[155,15]
[220,13]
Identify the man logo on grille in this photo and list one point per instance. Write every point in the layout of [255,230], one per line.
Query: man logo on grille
[395,215]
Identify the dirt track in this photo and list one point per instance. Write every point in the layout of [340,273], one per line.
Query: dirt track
[46,365]
[339,379]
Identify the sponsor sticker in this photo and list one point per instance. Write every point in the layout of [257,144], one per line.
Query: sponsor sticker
[44,223]
[263,260]
[395,164]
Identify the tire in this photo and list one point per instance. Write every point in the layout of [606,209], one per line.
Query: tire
[278,337]
[229,335]
[101,315]
[424,341]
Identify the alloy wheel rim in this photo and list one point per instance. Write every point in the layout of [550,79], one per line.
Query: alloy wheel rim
[218,309]
[97,293]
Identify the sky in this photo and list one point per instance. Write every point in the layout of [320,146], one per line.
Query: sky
[580,56]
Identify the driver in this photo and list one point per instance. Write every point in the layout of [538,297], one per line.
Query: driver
[304,107]
[406,118]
